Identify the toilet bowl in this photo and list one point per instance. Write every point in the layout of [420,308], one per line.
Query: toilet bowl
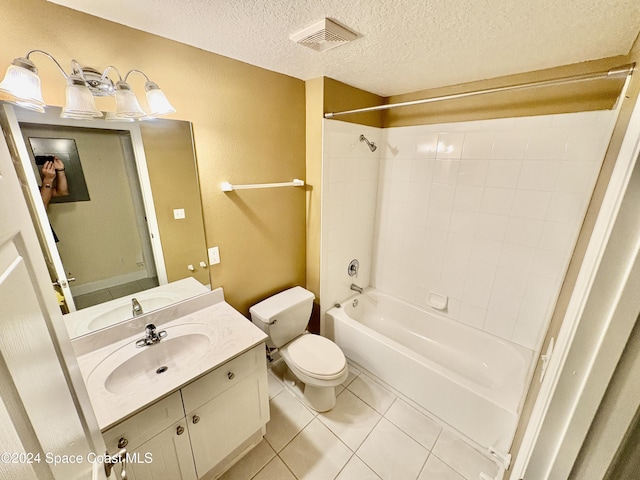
[320,365]
[316,363]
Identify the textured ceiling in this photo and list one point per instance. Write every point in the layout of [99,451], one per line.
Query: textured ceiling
[403,45]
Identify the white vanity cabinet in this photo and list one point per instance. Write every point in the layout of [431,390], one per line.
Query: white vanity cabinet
[226,413]
[157,442]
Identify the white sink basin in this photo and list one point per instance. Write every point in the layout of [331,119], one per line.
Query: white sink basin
[203,333]
[131,368]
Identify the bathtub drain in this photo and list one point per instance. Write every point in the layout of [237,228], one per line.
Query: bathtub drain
[162,370]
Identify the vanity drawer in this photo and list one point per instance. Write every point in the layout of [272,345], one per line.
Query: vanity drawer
[225,376]
[146,424]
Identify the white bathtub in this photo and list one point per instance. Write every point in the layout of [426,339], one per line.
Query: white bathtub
[471,380]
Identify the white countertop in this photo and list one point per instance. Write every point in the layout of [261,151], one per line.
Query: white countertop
[234,334]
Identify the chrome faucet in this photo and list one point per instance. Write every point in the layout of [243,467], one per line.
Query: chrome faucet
[136,308]
[151,336]
[356,288]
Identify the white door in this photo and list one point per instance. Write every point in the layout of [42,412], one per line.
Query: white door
[53,261]
[47,427]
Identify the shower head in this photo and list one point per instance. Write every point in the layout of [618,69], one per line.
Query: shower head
[372,146]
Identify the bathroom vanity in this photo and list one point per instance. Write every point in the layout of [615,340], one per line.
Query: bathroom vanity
[188,406]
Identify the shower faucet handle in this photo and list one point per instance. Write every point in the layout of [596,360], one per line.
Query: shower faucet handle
[352,270]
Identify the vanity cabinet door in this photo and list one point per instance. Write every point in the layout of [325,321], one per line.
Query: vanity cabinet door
[221,425]
[165,456]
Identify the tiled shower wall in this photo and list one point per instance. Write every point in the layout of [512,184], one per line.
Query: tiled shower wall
[349,191]
[485,213]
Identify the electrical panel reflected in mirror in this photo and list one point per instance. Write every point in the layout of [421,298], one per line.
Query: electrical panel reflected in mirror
[66,152]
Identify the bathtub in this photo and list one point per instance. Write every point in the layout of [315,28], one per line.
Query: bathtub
[469,379]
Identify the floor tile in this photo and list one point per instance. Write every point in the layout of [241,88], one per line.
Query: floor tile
[275,385]
[251,463]
[374,394]
[288,417]
[275,470]
[351,419]
[421,428]
[353,373]
[316,453]
[391,453]
[436,469]
[356,469]
[463,458]
[278,368]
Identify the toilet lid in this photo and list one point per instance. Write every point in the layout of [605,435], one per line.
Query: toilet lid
[317,356]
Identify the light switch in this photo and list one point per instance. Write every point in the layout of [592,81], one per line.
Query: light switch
[178,213]
[214,256]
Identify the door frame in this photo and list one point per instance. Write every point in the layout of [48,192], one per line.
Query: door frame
[595,328]
[13,117]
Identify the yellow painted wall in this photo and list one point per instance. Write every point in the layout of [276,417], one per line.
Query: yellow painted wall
[314,90]
[339,96]
[249,127]
[168,148]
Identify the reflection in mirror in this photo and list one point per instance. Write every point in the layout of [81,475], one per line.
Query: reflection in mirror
[104,243]
[121,239]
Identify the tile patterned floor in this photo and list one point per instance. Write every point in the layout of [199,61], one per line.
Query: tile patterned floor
[371,434]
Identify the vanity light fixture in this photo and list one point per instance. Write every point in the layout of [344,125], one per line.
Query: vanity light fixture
[21,86]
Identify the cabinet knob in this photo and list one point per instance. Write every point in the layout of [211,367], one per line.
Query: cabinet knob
[195,419]
[123,442]
[231,375]
[180,430]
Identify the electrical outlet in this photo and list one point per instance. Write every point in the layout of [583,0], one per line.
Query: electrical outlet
[178,213]
[214,256]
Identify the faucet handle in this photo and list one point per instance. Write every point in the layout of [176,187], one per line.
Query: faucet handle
[150,327]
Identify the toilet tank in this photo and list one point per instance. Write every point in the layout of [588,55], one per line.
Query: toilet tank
[283,316]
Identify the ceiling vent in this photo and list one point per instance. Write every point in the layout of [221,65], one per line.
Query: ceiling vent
[323,35]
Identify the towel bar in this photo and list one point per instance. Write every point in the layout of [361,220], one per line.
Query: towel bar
[228,187]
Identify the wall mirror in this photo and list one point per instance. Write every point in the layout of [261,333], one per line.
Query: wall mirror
[137,231]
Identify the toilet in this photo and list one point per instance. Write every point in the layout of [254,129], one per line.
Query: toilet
[315,361]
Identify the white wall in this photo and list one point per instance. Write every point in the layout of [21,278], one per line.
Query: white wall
[486,213]
[349,190]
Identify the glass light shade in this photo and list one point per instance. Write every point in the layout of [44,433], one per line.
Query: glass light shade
[111,117]
[22,85]
[80,102]
[157,100]
[127,104]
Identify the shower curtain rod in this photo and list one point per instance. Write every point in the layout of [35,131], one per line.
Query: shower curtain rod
[621,71]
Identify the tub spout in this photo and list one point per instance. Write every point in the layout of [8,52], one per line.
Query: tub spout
[356,288]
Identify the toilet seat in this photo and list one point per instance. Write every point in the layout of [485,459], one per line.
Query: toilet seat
[316,357]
